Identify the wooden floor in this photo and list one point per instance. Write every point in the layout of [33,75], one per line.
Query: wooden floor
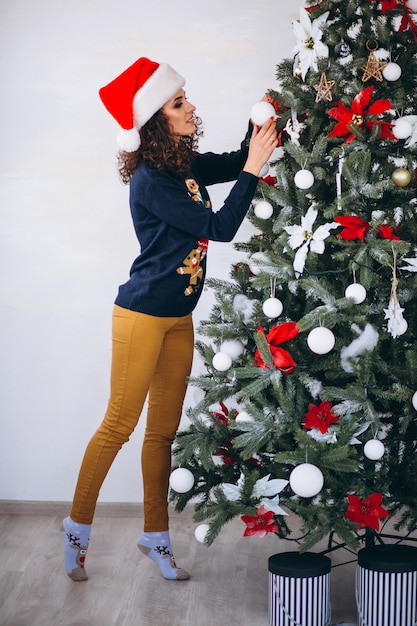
[229,584]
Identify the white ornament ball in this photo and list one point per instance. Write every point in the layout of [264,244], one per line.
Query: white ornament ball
[222,361]
[255,268]
[261,112]
[414,400]
[264,171]
[242,416]
[181,480]
[263,209]
[374,449]
[233,348]
[402,128]
[201,532]
[356,291]
[411,4]
[391,72]
[320,340]
[272,307]
[306,480]
[304,179]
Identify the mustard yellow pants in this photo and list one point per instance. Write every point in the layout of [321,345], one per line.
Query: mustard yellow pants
[150,355]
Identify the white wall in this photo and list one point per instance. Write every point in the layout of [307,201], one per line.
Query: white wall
[66,240]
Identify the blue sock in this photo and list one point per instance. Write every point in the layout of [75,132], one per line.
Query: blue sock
[157,547]
[76,537]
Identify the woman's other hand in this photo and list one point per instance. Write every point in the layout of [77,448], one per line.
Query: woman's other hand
[262,144]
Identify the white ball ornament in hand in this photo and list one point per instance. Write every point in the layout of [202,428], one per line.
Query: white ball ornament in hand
[263,209]
[222,361]
[304,179]
[373,449]
[320,340]
[356,291]
[391,72]
[306,480]
[261,112]
[272,307]
[201,532]
[181,480]
[414,400]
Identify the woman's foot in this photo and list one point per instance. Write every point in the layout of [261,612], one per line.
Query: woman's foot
[157,547]
[76,537]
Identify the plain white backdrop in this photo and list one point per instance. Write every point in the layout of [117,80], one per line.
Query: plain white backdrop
[66,240]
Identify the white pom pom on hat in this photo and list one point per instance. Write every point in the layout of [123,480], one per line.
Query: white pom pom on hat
[134,96]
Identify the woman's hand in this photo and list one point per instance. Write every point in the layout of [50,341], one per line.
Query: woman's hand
[262,144]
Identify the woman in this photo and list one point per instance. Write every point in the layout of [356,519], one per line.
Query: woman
[152,325]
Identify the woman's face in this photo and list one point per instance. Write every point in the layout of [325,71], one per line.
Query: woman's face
[180,114]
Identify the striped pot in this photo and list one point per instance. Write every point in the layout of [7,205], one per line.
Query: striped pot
[299,587]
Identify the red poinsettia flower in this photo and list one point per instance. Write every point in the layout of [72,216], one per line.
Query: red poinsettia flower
[389,5]
[320,417]
[359,116]
[223,415]
[281,358]
[270,180]
[354,227]
[406,20]
[224,452]
[387,232]
[259,524]
[366,512]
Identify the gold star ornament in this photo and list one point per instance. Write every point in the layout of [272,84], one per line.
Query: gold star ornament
[373,68]
[324,88]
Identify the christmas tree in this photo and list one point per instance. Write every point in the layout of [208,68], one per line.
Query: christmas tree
[309,399]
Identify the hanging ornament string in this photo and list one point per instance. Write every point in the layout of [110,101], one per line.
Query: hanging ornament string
[273,286]
[394,280]
[339,180]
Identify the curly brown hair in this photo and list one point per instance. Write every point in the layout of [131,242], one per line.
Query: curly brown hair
[160,149]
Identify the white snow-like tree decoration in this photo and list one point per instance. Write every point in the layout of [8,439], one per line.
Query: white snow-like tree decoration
[412,264]
[264,490]
[309,47]
[366,341]
[302,238]
[329,437]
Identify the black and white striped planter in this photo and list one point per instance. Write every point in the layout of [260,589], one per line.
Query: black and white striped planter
[299,589]
[386,585]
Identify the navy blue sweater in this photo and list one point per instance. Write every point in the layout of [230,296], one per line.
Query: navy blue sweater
[173,222]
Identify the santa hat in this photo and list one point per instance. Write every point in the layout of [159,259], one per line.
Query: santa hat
[137,94]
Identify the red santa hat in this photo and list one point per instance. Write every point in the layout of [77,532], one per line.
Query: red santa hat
[137,94]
